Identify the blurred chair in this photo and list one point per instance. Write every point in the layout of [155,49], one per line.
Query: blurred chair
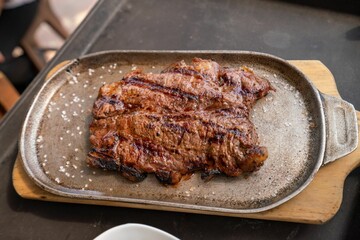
[8,95]
[44,15]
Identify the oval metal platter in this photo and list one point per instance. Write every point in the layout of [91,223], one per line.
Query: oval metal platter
[291,123]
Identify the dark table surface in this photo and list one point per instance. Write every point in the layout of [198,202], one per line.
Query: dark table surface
[288,29]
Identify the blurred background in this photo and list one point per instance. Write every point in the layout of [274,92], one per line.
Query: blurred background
[30,34]
[70,13]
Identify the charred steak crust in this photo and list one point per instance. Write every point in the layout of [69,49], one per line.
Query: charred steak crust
[187,118]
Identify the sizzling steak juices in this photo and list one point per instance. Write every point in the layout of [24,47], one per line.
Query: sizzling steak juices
[187,118]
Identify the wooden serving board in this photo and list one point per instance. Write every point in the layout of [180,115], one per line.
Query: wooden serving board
[318,203]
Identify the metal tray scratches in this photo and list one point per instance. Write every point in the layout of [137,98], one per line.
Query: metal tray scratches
[290,122]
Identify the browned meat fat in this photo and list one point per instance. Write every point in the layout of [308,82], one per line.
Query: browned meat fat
[187,118]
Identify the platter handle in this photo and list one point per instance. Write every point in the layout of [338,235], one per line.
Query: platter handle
[341,128]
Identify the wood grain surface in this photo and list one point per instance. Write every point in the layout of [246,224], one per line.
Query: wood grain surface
[318,203]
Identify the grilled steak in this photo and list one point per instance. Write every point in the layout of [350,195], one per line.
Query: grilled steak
[187,118]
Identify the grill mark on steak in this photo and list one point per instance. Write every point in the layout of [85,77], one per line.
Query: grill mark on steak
[132,174]
[107,106]
[177,129]
[96,159]
[184,71]
[187,118]
[141,82]
[204,69]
